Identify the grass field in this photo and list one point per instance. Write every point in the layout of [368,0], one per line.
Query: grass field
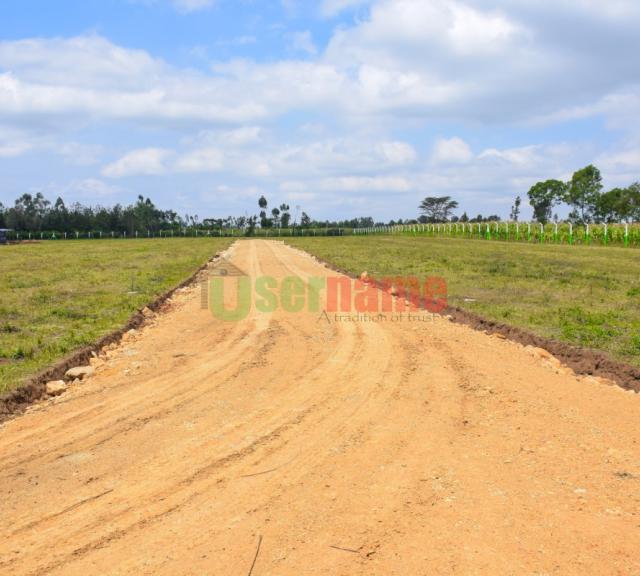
[58,296]
[588,296]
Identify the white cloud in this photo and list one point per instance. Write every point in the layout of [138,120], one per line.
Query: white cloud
[192,5]
[625,159]
[12,150]
[92,188]
[146,161]
[202,160]
[397,153]
[303,42]
[366,184]
[407,58]
[451,151]
[527,156]
[14,143]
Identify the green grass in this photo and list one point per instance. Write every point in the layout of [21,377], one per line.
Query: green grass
[587,296]
[58,296]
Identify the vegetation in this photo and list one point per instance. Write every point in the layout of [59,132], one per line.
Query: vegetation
[56,297]
[35,214]
[437,209]
[583,295]
[583,193]
[544,196]
[554,233]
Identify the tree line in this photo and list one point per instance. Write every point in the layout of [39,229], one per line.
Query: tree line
[585,196]
[34,213]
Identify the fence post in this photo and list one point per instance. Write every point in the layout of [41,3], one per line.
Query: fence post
[626,234]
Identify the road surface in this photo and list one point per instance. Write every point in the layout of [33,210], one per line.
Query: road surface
[315,447]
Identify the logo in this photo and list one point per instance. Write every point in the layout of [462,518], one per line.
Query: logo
[230,294]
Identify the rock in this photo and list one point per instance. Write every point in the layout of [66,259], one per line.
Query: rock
[552,362]
[127,336]
[80,372]
[592,380]
[565,371]
[364,276]
[147,312]
[499,336]
[539,352]
[76,382]
[95,361]
[56,387]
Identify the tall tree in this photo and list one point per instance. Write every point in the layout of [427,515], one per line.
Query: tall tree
[276,216]
[262,202]
[515,209]
[285,216]
[543,196]
[633,195]
[438,208]
[584,192]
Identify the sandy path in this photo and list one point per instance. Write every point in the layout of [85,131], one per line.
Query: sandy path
[351,448]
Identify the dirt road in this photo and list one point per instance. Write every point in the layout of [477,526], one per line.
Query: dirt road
[342,448]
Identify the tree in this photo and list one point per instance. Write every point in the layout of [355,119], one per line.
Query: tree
[305,221]
[251,226]
[515,209]
[633,195]
[543,196]
[584,191]
[464,217]
[264,221]
[438,208]
[612,206]
[285,216]
[276,216]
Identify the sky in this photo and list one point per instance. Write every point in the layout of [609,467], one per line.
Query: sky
[342,108]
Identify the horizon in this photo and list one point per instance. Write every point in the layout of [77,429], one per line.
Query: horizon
[346,108]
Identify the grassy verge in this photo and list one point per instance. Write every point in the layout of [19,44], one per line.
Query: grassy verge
[58,296]
[587,296]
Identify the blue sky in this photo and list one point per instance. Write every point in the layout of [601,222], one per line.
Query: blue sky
[341,107]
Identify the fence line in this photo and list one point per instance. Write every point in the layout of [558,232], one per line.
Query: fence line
[554,233]
[186,233]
